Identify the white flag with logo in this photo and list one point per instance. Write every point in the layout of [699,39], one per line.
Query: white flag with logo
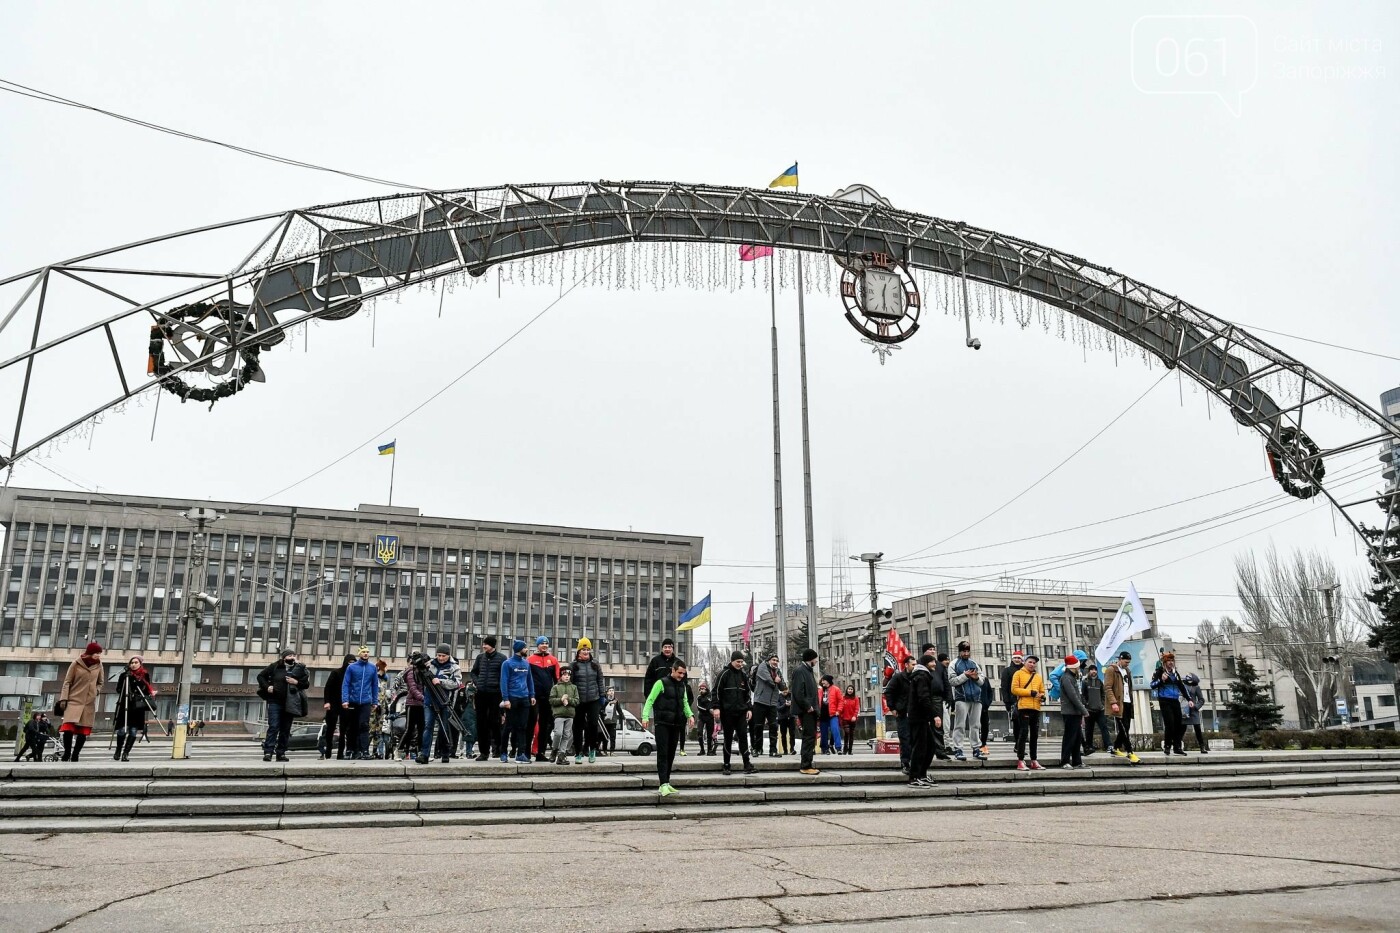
[1131,619]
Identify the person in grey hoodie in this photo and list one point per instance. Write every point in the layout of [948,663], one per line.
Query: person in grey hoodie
[1093,695]
[1193,714]
[767,684]
[1072,709]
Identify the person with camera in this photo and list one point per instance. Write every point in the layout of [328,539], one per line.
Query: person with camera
[282,685]
[1028,686]
[133,690]
[441,679]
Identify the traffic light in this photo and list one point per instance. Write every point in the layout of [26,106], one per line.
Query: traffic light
[879,618]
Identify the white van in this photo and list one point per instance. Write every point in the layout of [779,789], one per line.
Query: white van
[633,738]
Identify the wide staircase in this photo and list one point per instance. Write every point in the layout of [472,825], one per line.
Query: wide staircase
[151,796]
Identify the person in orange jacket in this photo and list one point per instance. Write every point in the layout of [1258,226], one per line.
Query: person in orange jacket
[850,710]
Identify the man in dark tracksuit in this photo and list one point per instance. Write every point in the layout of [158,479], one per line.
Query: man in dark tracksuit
[705,718]
[925,720]
[941,686]
[804,706]
[735,709]
[486,674]
[897,699]
[1018,660]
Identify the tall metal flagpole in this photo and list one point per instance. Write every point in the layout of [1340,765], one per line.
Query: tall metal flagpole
[813,613]
[393,462]
[777,476]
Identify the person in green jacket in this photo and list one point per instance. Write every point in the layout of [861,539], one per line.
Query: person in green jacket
[673,716]
[563,702]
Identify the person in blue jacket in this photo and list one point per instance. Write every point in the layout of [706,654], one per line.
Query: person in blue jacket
[359,696]
[517,696]
[1171,690]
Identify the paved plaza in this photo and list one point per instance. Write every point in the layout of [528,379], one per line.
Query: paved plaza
[1298,864]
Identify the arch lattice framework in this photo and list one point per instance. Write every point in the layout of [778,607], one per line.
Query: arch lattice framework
[325,262]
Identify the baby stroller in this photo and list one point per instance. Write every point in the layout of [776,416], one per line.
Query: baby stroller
[396,719]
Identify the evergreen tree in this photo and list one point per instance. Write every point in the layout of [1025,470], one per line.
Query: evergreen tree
[1385,592]
[1249,707]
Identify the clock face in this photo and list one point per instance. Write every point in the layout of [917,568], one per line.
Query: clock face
[881,298]
[882,295]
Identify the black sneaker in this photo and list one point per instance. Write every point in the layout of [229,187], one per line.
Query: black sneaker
[267,757]
[282,758]
[750,769]
[725,771]
[422,759]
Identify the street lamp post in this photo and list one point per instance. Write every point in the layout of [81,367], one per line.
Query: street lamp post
[583,607]
[877,615]
[196,601]
[287,600]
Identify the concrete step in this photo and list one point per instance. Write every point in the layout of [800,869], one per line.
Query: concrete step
[678,807]
[698,791]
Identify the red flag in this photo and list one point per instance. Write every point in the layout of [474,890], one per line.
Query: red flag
[748,253]
[748,623]
[895,648]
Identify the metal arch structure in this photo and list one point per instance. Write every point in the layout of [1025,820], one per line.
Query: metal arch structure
[323,263]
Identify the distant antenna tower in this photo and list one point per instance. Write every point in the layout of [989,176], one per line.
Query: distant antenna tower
[841,596]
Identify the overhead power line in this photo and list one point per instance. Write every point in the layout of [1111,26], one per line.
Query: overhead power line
[14,87]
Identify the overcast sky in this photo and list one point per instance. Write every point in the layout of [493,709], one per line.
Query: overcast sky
[1272,203]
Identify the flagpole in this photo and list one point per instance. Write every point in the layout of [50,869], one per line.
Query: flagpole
[813,613]
[777,475]
[393,462]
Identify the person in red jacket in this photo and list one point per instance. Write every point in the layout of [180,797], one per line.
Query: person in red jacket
[850,710]
[832,699]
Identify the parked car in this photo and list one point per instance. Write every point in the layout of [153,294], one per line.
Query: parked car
[304,735]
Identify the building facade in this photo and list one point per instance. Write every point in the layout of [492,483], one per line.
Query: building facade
[117,569]
[994,622]
[1390,450]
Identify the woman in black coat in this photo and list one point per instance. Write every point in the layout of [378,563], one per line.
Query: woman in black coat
[333,710]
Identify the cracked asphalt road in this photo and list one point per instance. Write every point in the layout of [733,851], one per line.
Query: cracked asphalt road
[1326,863]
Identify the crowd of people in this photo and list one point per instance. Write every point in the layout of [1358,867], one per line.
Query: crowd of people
[530,706]
[925,691]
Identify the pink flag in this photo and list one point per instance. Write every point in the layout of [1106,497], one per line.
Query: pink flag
[749,253]
[748,623]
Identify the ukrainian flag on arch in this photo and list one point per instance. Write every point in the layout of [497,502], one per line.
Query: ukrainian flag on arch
[787,179]
[696,616]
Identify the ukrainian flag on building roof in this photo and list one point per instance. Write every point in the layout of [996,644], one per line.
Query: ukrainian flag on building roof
[386,449]
[787,179]
[696,616]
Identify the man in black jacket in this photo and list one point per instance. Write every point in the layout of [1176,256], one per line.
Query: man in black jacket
[486,674]
[735,705]
[804,706]
[897,699]
[660,665]
[283,676]
[942,687]
[925,719]
[1018,660]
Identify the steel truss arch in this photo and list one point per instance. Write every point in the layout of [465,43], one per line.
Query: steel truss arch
[324,262]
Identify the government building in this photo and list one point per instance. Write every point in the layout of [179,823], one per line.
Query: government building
[116,569]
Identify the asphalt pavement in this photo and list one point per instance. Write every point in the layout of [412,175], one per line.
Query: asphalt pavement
[1323,863]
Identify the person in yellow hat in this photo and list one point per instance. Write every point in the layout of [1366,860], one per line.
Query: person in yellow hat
[588,678]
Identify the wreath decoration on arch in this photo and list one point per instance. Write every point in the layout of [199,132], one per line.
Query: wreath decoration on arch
[167,331]
[1286,456]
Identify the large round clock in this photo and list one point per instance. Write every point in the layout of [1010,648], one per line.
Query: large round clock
[881,297]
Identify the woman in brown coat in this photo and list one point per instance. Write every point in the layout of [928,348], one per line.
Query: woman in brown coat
[77,702]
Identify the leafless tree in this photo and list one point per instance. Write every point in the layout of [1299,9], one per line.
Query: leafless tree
[1285,606]
[712,659]
[1212,636]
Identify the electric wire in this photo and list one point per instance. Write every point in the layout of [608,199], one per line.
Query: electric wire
[22,90]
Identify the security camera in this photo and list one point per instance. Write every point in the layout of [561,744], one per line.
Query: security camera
[974,343]
[210,602]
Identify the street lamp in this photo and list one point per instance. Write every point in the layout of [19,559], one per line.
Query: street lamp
[196,601]
[583,607]
[288,594]
[877,616]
